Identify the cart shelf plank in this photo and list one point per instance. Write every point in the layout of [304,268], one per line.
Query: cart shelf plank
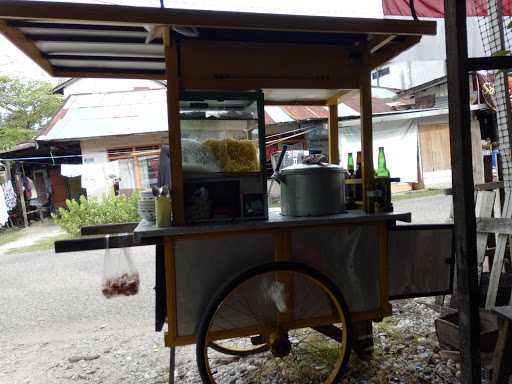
[275,222]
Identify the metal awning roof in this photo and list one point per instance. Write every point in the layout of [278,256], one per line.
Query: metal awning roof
[67,37]
[86,40]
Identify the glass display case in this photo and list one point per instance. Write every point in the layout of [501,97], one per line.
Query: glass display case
[223,155]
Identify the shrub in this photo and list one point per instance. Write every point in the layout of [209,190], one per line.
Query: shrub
[91,211]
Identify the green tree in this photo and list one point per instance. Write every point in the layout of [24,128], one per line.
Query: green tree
[25,108]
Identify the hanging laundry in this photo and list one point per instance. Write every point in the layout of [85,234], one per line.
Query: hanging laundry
[4,215]
[71,170]
[10,195]
[29,188]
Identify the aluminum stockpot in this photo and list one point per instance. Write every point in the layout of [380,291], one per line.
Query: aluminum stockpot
[312,190]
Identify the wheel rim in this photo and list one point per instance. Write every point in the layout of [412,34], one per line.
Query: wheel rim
[235,348]
[271,306]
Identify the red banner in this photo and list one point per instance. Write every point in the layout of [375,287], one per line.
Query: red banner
[435,8]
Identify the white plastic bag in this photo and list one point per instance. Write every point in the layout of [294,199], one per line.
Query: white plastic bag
[120,277]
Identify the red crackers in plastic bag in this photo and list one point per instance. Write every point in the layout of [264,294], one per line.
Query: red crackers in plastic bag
[120,277]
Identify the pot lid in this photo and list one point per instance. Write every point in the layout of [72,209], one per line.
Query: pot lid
[311,168]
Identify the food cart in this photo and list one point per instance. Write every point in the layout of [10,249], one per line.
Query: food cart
[266,298]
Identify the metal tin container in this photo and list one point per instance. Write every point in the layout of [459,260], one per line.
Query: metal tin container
[312,190]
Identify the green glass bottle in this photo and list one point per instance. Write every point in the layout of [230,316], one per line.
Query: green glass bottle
[350,164]
[382,170]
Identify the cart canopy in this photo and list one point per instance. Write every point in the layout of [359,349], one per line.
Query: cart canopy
[220,50]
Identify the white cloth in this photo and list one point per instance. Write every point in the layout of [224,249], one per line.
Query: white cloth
[71,170]
[4,215]
[399,139]
[111,170]
[126,174]
[10,195]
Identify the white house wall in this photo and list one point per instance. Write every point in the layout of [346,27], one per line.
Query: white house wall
[94,151]
[426,60]
[411,73]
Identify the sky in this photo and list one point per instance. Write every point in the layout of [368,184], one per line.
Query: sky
[15,63]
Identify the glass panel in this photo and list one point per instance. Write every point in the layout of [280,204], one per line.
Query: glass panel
[148,171]
[217,136]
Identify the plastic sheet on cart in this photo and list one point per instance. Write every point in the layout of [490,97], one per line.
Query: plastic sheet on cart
[349,256]
[202,267]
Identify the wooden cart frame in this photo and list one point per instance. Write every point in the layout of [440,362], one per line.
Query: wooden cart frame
[282,252]
[278,54]
[285,56]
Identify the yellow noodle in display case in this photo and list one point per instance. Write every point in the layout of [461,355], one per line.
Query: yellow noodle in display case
[234,155]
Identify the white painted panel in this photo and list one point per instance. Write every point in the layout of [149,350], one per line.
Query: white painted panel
[107,64]
[109,48]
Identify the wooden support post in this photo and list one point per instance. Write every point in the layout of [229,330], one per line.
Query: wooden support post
[478,158]
[334,150]
[362,336]
[365,90]
[462,182]
[19,186]
[173,121]
[484,206]
[160,288]
[170,290]
[502,369]
[499,255]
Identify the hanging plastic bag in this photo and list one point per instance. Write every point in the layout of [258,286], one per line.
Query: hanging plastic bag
[120,277]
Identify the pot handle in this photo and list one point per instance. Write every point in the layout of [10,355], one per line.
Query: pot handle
[276,175]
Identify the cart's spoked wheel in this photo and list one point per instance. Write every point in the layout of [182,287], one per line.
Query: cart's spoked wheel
[296,314]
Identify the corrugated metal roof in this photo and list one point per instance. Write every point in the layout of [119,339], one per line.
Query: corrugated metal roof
[277,115]
[305,113]
[145,111]
[109,114]
[378,105]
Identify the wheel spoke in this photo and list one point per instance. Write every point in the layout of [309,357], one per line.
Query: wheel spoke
[291,354]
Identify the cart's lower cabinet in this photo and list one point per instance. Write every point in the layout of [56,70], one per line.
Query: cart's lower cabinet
[420,260]
[351,256]
[204,265]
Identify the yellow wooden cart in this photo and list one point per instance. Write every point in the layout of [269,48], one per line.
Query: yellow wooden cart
[266,300]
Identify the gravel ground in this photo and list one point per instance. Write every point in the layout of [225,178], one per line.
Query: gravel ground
[56,327]
[427,210]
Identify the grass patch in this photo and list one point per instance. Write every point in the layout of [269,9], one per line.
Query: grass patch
[415,194]
[10,235]
[41,245]
[388,326]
